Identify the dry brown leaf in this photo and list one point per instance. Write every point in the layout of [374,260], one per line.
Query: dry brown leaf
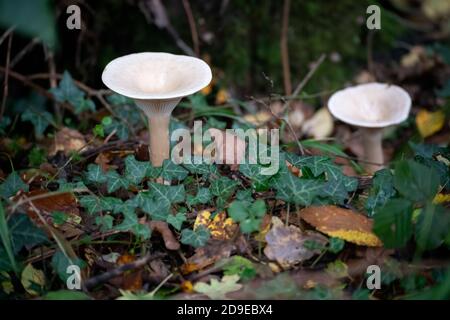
[220,228]
[67,140]
[258,118]
[285,244]
[342,223]
[47,205]
[162,228]
[132,279]
[205,256]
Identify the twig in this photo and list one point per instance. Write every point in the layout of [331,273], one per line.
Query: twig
[24,51]
[192,26]
[6,34]
[5,86]
[102,278]
[53,84]
[284,48]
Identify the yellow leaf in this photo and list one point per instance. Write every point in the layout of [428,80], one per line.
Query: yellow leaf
[32,278]
[320,125]
[222,96]
[221,227]
[342,223]
[441,198]
[428,123]
[258,118]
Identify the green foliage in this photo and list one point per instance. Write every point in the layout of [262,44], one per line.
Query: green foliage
[203,196]
[67,91]
[223,188]
[39,118]
[12,185]
[32,18]
[382,190]
[171,171]
[248,216]
[176,220]
[135,171]
[196,238]
[60,263]
[36,157]
[240,266]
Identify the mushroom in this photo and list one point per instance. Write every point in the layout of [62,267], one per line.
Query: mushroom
[157,82]
[371,107]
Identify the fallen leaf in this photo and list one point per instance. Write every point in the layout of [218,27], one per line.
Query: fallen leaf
[320,125]
[259,118]
[187,287]
[131,280]
[285,244]
[222,96]
[441,198]
[32,279]
[217,290]
[51,206]
[220,228]
[205,256]
[342,223]
[67,140]
[428,123]
[162,228]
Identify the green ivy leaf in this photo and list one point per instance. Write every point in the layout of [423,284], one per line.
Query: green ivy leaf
[39,118]
[95,174]
[382,190]
[135,170]
[105,222]
[115,181]
[432,227]
[260,182]
[415,181]
[248,216]
[131,223]
[223,188]
[197,238]
[203,196]
[393,222]
[240,266]
[336,245]
[12,185]
[171,171]
[24,233]
[176,220]
[60,263]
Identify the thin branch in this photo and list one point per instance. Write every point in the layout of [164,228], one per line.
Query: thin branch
[284,48]
[192,26]
[6,34]
[104,277]
[5,86]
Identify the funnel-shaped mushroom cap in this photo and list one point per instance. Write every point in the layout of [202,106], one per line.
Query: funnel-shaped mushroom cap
[156,75]
[371,105]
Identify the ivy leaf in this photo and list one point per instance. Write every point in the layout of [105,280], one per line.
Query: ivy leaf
[415,181]
[24,233]
[432,227]
[203,196]
[95,204]
[135,170]
[317,164]
[223,188]
[157,201]
[60,263]
[201,168]
[240,266]
[335,245]
[12,185]
[95,174]
[171,171]
[197,238]
[105,222]
[131,223]
[67,91]
[176,220]
[393,222]
[382,190]
[115,181]
[295,190]
[260,182]
[40,119]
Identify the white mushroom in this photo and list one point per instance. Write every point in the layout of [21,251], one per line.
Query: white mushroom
[157,82]
[371,107]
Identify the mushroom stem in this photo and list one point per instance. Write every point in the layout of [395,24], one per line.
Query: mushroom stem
[159,144]
[373,150]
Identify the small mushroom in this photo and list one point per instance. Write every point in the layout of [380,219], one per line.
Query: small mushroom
[371,107]
[157,82]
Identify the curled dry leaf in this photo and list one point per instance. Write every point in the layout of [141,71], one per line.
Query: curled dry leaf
[51,205]
[220,228]
[132,279]
[286,244]
[162,228]
[205,256]
[320,125]
[342,223]
[258,118]
[67,140]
